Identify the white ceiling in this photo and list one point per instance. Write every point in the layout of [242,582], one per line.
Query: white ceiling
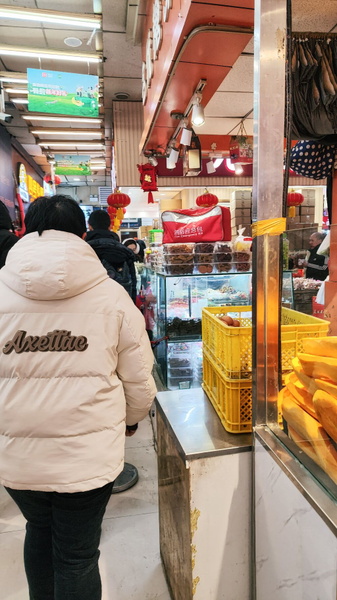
[121,70]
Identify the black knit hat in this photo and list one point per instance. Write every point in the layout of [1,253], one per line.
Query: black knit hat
[5,218]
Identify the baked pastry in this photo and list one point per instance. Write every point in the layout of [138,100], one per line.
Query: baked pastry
[222,257]
[201,247]
[224,267]
[203,258]
[204,268]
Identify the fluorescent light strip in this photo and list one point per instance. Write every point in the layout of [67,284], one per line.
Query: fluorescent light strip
[20,100]
[50,17]
[53,54]
[15,91]
[66,132]
[69,145]
[61,119]
[13,80]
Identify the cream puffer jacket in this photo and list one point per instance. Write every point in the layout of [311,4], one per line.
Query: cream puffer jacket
[75,366]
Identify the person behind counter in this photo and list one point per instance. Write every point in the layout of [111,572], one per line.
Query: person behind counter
[316,264]
[7,237]
[75,378]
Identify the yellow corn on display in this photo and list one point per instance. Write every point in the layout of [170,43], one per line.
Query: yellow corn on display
[319,367]
[326,410]
[325,346]
[309,402]
[300,394]
[326,386]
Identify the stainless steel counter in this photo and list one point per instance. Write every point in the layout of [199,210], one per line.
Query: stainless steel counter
[196,426]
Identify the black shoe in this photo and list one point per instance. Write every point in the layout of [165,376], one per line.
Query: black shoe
[126,479]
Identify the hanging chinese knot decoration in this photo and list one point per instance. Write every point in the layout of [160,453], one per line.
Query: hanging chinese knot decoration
[206,200]
[294,199]
[117,202]
[148,180]
[241,147]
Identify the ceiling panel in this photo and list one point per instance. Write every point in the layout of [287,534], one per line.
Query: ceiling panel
[76,6]
[23,36]
[122,59]
[114,15]
[113,85]
[221,126]
[229,104]
[241,76]
[308,15]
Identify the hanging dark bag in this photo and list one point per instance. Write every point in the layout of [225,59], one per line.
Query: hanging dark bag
[312,159]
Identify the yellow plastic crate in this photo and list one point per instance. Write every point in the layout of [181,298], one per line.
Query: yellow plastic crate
[231,398]
[231,347]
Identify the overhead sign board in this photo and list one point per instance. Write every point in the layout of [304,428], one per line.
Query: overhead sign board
[62,93]
[72,164]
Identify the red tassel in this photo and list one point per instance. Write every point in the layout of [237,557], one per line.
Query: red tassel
[150,198]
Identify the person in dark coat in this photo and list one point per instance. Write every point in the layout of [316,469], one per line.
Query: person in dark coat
[316,264]
[108,247]
[138,247]
[7,237]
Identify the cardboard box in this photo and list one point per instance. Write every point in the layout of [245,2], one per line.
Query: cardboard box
[309,194]
[307,210]
[242,195]
[295,240]
[241,212]
[241,221]
[240,203]
[307,219]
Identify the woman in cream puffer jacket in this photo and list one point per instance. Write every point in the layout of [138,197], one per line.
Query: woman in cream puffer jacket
[75,372]
[75,367]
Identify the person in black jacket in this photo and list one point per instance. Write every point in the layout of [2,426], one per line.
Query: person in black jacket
[316,264]
[7,238]
[108,247]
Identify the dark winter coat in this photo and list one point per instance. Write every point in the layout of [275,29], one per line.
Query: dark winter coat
[7,238]
[108,249]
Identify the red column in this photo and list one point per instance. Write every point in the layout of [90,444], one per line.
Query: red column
[331,285]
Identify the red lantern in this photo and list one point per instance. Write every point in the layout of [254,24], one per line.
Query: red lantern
[294,199]
[206,200]
[148,180]
[118,200]
[48,179]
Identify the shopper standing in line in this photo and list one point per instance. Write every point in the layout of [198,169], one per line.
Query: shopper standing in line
[116,258]
[75,375]
[7,237]
[316,264]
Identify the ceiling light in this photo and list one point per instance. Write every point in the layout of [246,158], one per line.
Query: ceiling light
[186,136]
[172,158]
[218,162]
[198,117]
[77,179]
[153,161]
[230,165]
[66,132]
[16,91]
[19,100]
[69,145]
[238,169]
[13,80]
[50,16]
[32,117]
[99,167]
[72,42]
[210,167]
[48,54]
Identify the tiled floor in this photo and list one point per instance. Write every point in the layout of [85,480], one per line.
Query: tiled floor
[130,562]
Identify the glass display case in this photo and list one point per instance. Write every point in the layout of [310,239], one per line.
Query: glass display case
[180,300]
